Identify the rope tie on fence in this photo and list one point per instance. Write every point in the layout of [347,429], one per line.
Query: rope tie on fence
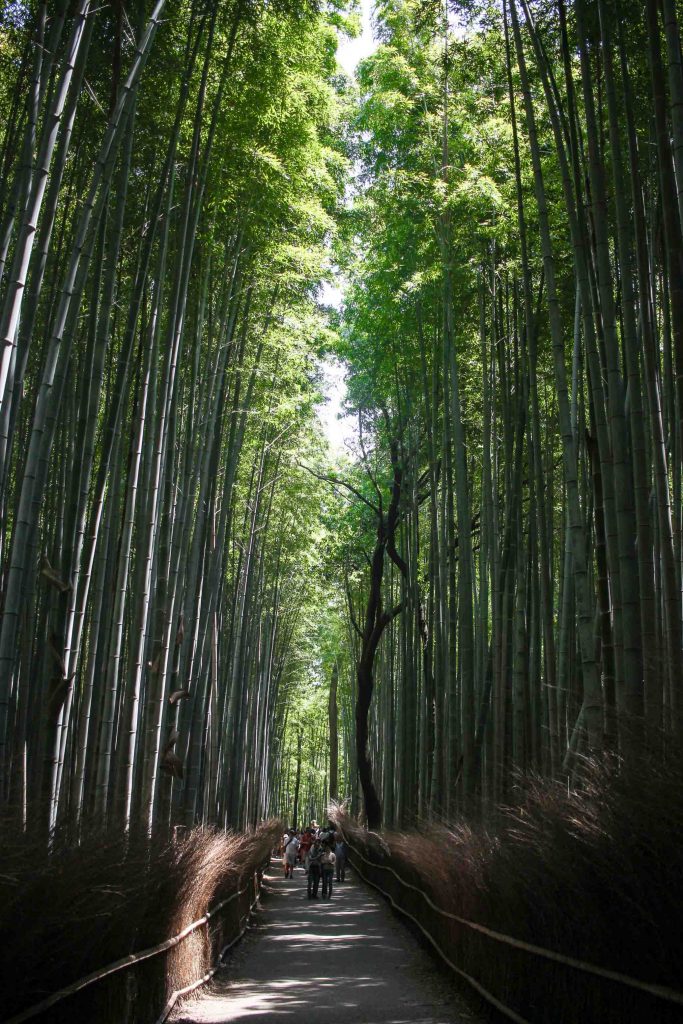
[129,961]
[659,991]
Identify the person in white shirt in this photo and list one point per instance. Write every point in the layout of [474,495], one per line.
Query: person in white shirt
[291,853]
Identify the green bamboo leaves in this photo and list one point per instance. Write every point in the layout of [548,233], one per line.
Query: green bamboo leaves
[156,391]
[512,327]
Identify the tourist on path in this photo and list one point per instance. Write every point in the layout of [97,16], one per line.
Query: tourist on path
[305,844]
[314,869]
[340,858]
[327,863]
[291,853]
[326,835]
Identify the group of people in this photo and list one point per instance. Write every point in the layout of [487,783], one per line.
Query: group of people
[321,852]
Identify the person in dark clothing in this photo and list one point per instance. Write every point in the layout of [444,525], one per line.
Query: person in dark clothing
[340,859]
[326,835]
[314,870]
[327,865]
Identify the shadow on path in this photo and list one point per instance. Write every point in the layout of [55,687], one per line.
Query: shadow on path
[347,959]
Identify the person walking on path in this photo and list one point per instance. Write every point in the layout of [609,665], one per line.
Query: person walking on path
[305,844]
[327,864]
[340,859]
[314,866]
[326,835]
[291,852]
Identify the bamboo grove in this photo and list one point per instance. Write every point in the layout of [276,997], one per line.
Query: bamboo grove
[514,330]
[170,175]
[207,616]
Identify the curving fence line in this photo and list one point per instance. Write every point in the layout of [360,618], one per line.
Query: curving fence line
[662,992]
[175,996]
[146,954]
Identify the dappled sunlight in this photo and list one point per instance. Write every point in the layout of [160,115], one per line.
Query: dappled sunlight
[315,936]
[346,958]
[284,997]
[280,998]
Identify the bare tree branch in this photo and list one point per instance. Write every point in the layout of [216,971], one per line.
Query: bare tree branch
[366,461]
[340,483]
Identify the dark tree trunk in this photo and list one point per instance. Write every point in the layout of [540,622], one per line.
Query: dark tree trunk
[375,623]
[334,738]
[373,808]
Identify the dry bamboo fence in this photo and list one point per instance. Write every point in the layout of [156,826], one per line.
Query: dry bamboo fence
[505,971]
[144,986]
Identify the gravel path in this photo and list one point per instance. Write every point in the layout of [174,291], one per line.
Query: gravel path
[344,961]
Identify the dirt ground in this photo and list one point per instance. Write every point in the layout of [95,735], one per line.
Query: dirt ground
[347,960]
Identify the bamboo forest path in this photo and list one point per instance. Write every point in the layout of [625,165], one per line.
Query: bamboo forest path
[344,961]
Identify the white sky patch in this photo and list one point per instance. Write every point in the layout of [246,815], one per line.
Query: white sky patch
[331,295]
[337,428]
[351,51]
[340,430]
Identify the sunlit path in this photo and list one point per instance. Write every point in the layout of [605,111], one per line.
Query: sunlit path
[345,960]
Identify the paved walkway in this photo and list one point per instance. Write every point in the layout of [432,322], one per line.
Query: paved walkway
[344,961]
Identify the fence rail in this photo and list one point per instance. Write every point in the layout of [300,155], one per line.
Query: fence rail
[132,959]
[658,991]
[175,996]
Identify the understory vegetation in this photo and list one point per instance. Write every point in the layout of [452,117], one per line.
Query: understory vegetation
[511,328]
[592,874]
[73,910]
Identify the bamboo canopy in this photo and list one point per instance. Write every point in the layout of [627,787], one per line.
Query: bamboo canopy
[208,615]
